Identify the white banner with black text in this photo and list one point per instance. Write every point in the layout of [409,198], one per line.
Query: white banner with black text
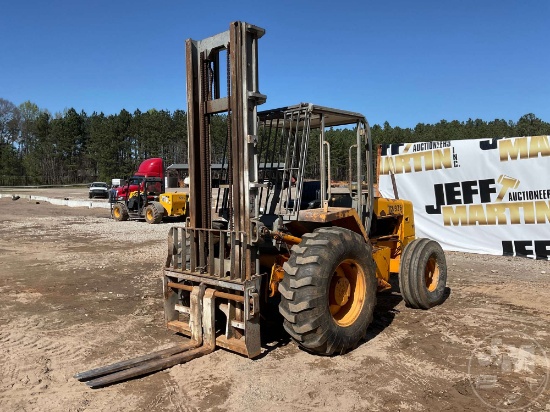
[487,196]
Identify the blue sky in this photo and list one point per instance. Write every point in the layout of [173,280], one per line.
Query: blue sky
[405,62]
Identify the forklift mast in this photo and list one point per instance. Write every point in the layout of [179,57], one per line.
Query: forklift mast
[204,99]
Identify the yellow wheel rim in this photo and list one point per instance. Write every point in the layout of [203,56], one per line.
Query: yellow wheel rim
[431,274]
[149,214]
[347,293]
[116,212]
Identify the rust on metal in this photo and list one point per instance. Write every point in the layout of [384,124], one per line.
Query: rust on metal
[383,285]
[345,216]
[218,294]
[152,366]
[104,375]
[286,238]
[181,286]
[319,215]
[203,342]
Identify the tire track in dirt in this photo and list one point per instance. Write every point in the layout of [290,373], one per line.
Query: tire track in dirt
[31,357]
[38,366]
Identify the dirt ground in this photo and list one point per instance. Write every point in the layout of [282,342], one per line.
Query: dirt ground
[78,290]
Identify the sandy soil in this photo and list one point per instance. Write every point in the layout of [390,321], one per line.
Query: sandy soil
[78,290]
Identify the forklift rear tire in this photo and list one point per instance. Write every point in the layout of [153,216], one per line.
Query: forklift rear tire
[153,213]
[328,292]
[120,212]
[423,274]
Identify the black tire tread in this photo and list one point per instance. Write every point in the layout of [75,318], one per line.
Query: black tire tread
[157,211]
[124,215]
[405,276]
[303,291]
[411,274]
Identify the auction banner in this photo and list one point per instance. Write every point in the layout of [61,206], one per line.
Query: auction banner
[488,196]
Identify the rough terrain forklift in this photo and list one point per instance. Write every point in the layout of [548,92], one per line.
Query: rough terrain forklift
[253,244]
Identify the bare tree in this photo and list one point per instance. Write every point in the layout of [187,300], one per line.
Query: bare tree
[9,122]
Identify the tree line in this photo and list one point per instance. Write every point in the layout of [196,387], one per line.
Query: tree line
[38,148]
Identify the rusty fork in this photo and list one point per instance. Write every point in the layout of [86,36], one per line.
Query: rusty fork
[203,343]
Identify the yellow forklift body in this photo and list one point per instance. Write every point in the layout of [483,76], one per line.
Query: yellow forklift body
[382,258]
[401,211]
